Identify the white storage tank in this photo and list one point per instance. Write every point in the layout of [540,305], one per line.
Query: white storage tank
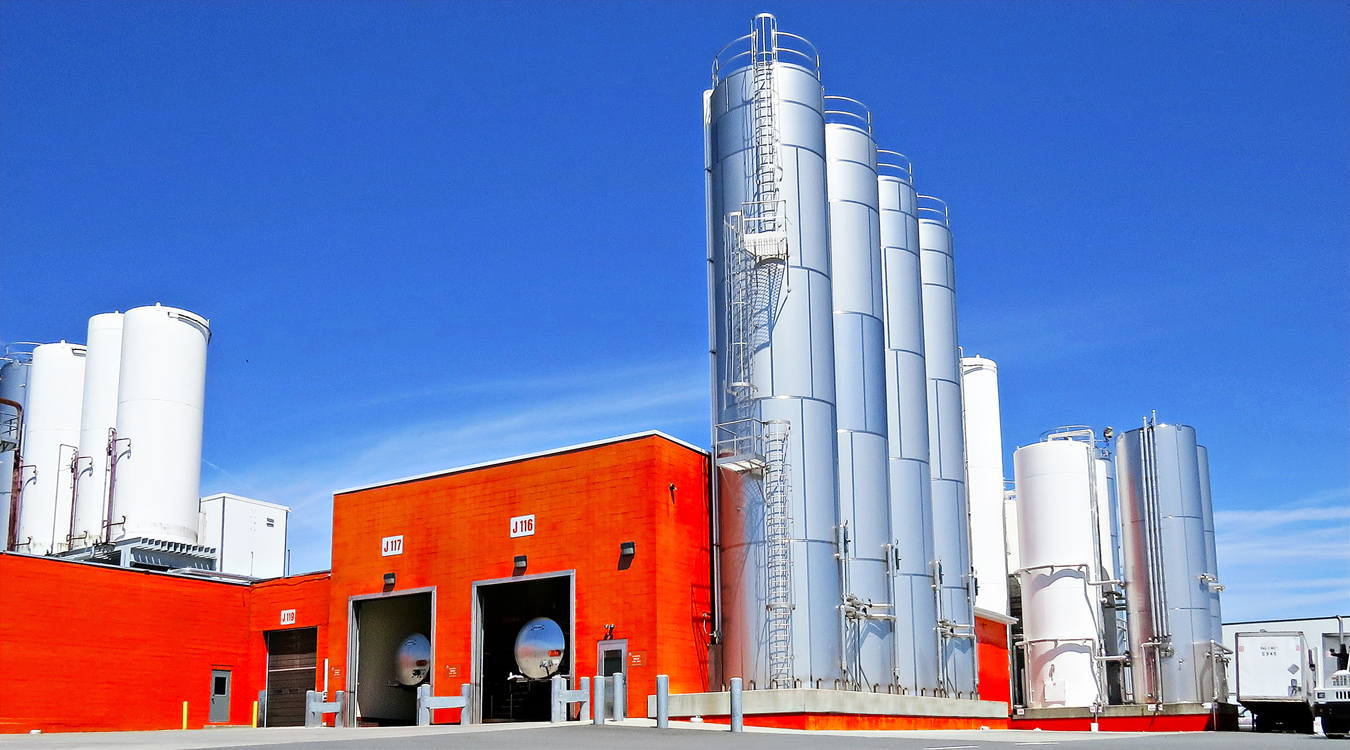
[984,481]
[98,419]
[249,535]
[50,443]
[1058,508]
[14,370]
[160,395]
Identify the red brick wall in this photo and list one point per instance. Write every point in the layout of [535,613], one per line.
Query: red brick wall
[91,648]
[586,502]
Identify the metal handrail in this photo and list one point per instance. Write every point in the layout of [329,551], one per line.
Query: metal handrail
[937,212]
[902,169]
[811,58]
[844,116]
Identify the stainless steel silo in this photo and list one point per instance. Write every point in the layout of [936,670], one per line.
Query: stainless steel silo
[910,479]
[774,383]
[860,388]
[14,369]
[951,534]
[1212,585]
[1163,542]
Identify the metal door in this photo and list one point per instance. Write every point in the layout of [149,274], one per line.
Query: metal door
[220,696]
[611,658]
[292,662]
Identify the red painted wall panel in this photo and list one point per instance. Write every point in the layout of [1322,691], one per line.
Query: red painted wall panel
[992,640]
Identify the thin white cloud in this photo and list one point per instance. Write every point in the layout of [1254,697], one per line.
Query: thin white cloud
[543,413]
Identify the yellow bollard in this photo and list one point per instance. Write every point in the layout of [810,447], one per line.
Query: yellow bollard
[255,714]
[185,714]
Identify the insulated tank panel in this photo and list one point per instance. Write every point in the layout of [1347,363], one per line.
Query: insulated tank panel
[984,481]
[160,396]
[790,368]
[951,541]
[1164,559]
[860,383]
[1059,607]
[50,442]
[1014,540]
[916,659]
[98,418]
[1108,537]
[1211,551]
[14,370]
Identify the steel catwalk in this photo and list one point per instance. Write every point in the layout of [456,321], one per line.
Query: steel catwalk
[13,387]
[765,135]
[951,541]
[1057,506]
[984,481]
[160,397]
[860,388]
[50,443]
[97,421]
[1164,555]
[909,476]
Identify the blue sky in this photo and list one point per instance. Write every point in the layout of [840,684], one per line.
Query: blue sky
[430,234]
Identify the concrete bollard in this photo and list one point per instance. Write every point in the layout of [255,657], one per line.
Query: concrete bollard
[737,709]
[620,697]
[662,701]
[598,702]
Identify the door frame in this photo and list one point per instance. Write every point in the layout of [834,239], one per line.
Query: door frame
[229,690]
[476,668]
[354,643]
[267,673]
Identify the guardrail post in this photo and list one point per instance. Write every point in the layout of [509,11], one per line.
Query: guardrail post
[598,702]
[737,709]
[312,715]
[620,697]
[556,707]
[585,688]
[466,711]
[662,701]
[423,711]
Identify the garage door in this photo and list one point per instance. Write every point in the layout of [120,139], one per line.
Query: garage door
[291,661]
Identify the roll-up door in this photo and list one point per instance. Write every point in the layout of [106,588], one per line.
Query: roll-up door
[291,661]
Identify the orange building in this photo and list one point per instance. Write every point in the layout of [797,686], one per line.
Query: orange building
[610,540]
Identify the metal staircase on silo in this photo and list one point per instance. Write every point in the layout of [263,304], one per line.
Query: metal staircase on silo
[755,264]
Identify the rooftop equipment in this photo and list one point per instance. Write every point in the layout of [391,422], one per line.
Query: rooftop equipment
[984,481]
[954,581]
[916,648]
[864,533]
[773,362]
[156,466]
[50,445]
[1175,656]
[98,420]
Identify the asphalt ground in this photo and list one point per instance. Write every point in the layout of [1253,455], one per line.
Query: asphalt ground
[643,734]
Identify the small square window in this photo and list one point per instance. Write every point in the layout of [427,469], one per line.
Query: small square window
[270,523]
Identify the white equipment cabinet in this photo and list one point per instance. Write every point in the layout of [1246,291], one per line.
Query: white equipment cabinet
[249,535]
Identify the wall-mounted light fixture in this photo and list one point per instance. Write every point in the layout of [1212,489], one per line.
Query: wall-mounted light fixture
[627,549]
[521,561]
[389,579]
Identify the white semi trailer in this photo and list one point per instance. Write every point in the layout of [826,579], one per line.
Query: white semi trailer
[1275,680]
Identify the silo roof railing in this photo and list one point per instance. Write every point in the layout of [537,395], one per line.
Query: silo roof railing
[841,110]
[790,48]
[934,209]
[895,164]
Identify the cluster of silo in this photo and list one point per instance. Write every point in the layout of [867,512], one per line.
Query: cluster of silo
[103,440]
[1117,575]
[843,536]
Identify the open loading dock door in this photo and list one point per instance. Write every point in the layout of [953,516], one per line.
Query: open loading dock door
[380,624]
[503,609]
[291,661]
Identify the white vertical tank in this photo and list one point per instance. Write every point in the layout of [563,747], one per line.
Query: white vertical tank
[160,395]
[1013,542]
[951,533]
[50,443]
[916,646]
[860,388]
[14,371]
[98,418]
[1060,610]
[772,334]
[984,481]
